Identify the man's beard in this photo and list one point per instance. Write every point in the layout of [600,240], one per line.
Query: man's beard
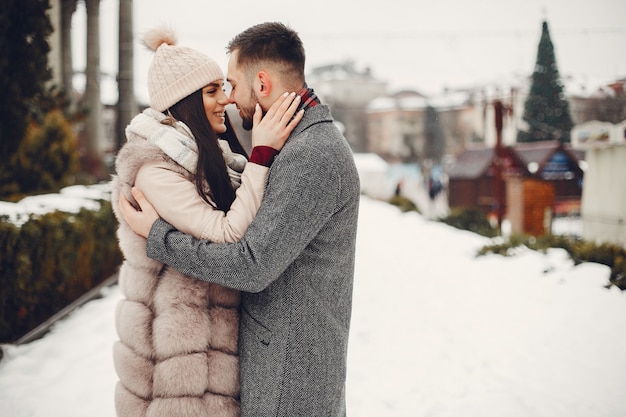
[246,121]
[247,113]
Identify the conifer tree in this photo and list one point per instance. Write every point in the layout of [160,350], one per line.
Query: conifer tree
[546,109]
[24,70]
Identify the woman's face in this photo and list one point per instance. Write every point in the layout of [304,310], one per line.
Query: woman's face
[215,100]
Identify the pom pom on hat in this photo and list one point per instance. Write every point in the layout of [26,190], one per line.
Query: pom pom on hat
[175,71]
[157,36]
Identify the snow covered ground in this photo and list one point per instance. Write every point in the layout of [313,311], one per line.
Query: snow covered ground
[436,332]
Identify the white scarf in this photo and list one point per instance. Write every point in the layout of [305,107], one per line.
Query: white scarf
[178,143]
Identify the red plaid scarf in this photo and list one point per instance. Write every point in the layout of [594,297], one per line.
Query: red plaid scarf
[309,98]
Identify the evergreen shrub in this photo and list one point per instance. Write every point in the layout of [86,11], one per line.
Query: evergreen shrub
[50,261]
[471,219]
[46,159]
[614,256]
[403,203]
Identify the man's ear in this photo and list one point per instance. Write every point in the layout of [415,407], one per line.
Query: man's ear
[264,84]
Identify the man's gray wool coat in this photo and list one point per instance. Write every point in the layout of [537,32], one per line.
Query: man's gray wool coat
[296,267]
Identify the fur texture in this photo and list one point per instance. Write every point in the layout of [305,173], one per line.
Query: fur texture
[177,353]
[157,36]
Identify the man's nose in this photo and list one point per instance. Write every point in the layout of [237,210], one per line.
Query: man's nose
[223,98]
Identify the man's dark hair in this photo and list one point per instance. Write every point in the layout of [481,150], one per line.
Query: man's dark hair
[270,42]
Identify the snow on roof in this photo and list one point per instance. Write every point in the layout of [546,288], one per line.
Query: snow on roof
[450,100]
[411,103]
[472,163]
[381,104]
[587,86]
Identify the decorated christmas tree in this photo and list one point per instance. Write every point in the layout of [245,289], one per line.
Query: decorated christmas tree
[546,110]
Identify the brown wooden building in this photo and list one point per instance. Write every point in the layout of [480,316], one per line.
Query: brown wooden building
[472,179]
[539,180]
[559,165]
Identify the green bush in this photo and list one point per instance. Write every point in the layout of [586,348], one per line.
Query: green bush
[403,203]
[471,219]
[46,159]
[614,256]
[50,261]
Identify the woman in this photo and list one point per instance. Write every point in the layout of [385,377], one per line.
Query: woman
[177,353]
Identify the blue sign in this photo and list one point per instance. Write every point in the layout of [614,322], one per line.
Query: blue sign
[558,167]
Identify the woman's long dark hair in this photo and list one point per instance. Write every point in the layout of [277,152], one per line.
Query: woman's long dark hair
[211,166]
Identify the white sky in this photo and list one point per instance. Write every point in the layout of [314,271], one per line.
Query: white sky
[420,44]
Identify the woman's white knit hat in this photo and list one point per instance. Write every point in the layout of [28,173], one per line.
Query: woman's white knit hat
[175,71]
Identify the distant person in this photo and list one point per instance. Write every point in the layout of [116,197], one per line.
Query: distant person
[178,348]
[435,187]
[399,187]
[295,263]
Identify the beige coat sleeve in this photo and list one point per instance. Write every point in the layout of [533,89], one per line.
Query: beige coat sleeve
[175,199]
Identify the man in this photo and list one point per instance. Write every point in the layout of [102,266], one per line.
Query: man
[295,264]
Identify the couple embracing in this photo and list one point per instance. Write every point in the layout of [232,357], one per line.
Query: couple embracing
[238,270]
